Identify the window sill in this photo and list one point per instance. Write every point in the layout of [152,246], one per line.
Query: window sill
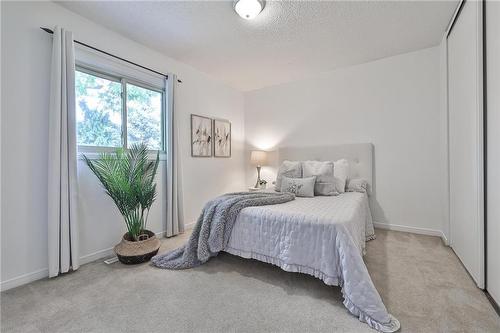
[95,156]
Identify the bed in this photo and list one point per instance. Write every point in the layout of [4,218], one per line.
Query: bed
[296,235]
[323,236]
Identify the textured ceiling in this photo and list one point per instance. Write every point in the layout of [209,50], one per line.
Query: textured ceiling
[287,41]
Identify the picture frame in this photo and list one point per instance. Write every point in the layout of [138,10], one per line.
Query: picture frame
[222,140]
[201,136]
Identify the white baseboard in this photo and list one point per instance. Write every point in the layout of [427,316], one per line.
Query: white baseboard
[43,273]
[96,255]
[160,234]
[189,226]
[413,230]
[24,279]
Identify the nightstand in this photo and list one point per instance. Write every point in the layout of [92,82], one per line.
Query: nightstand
[255,189]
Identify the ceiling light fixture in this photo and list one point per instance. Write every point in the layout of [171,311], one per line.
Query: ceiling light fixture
[248,9]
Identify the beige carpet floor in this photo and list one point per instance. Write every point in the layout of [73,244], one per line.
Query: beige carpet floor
[421,281]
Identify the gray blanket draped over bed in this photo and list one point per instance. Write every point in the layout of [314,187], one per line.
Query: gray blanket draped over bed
[213,229]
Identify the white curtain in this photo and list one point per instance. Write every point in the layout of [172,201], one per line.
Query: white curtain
[175,216]
[62,183]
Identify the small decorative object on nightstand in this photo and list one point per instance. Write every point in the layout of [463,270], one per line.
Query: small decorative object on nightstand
[258,158]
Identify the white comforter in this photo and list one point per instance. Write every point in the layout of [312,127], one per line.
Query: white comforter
[321,236]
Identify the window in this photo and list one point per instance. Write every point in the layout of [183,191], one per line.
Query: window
[144,116]
[114,112]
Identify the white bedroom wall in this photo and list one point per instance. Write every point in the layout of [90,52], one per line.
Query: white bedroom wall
[25,60]
[393,103]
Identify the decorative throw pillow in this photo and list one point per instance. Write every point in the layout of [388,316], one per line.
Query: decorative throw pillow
[291,169]
[341,173]
[357,185]
[301,187]
[323,171]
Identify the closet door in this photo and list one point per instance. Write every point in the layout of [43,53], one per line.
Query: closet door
[465,116]
[493,154]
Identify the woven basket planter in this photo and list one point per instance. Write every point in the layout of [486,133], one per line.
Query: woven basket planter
[130,252]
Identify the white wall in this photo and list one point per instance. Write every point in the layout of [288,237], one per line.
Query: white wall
[493,148]
[25,98]
[393,103]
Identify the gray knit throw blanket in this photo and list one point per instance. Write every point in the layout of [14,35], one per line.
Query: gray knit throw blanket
[213,228]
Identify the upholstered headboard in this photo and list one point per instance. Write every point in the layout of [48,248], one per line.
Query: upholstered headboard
[359,155]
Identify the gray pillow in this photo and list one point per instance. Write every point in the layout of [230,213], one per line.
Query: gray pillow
[290,169]
[323,171]
[301,187]
[357,185]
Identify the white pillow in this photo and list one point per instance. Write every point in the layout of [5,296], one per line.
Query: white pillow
[301,187]
[341,173]
[323,171]
[357,185]
[291,169]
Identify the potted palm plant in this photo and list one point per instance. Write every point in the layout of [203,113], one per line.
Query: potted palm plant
[128,178]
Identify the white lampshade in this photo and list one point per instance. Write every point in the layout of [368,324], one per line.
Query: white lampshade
[258,157]
[248,9]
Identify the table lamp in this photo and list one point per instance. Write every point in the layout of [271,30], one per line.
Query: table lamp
[258,158]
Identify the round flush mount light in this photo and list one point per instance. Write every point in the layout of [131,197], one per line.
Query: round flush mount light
[248,9]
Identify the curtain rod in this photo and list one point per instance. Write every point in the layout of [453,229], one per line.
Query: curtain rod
[112,55]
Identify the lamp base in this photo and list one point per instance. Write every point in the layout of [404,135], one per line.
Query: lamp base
[257,184]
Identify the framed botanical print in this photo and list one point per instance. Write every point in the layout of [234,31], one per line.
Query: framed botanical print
[222,138]
[201,136]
